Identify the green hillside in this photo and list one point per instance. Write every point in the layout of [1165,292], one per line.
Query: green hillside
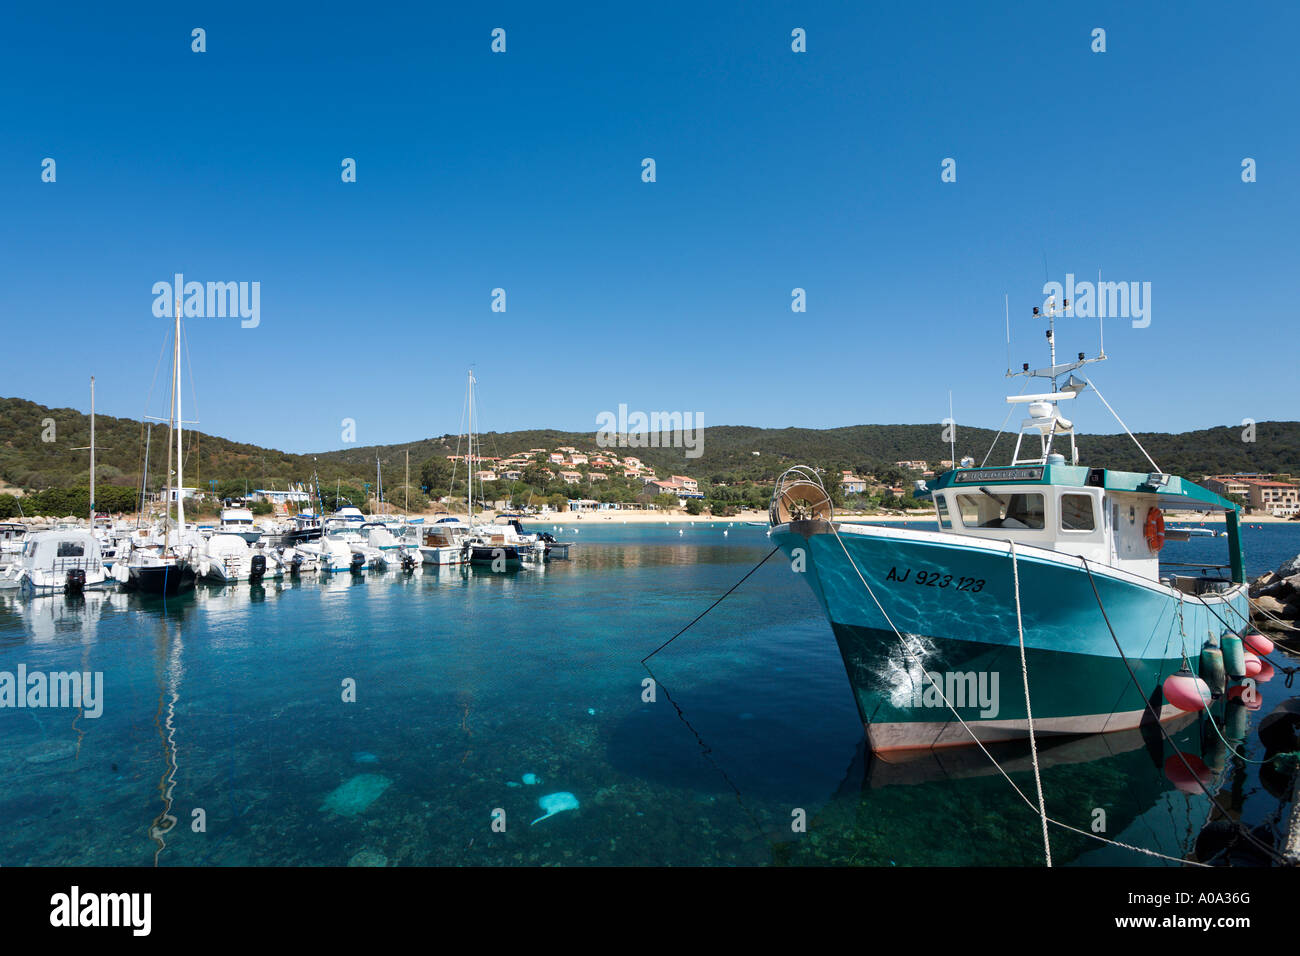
[31,463]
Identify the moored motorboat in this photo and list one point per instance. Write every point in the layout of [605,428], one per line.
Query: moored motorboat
[62,561]
[227,559]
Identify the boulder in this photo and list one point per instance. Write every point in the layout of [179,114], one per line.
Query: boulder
[1270,605]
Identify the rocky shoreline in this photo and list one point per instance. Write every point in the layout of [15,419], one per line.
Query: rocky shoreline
[1275,597]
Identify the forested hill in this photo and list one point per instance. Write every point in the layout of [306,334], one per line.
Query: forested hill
[35,456]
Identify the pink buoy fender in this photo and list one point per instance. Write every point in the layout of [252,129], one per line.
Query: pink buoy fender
[1186,691]
[1258,643]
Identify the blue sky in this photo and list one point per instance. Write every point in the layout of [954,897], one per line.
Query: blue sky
[522,170]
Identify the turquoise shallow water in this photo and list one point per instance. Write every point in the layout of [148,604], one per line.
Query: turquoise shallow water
[230,702]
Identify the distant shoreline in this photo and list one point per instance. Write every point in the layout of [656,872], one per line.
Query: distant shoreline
[661,517]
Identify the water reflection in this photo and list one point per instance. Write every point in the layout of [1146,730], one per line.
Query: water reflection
[168,673]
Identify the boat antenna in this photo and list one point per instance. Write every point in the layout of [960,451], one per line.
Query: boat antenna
[952,433]
[1101,321]
[1006,307]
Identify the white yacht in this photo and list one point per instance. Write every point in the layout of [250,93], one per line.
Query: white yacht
[239,521]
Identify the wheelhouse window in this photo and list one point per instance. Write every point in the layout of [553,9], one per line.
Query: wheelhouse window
[1011,510]
[70,549]
[945,519]
[1077,513]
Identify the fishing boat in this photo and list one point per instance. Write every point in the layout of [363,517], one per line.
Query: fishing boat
[298,528]
[1045,552]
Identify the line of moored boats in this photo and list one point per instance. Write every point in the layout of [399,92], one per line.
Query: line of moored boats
[163,559]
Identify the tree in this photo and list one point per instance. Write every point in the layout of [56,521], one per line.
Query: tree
[694,506]
[435,474]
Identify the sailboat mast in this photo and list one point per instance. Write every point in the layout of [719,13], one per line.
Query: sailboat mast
[144,477]
[469,460]
[92,451]
[180,456]
[171,427]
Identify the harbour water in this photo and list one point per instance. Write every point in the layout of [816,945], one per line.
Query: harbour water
[226,738]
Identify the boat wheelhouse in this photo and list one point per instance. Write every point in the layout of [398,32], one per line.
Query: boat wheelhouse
[239,521]
[12,534]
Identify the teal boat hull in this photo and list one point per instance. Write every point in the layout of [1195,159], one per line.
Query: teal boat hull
[953,601]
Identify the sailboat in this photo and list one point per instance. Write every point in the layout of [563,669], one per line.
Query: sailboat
[500,546]
[165,566]
[1042,571]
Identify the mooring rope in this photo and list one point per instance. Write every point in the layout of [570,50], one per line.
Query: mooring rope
[1029,712]
[1269,614]
[711,606]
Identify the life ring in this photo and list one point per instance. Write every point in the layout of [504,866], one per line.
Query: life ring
[1155,530]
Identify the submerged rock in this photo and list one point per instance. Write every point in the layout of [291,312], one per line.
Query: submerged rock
[364,756]
[368,858]
[531,778]
[554,803]
[353,798]
[52,752]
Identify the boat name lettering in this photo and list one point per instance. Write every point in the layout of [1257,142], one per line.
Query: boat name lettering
[999,474]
